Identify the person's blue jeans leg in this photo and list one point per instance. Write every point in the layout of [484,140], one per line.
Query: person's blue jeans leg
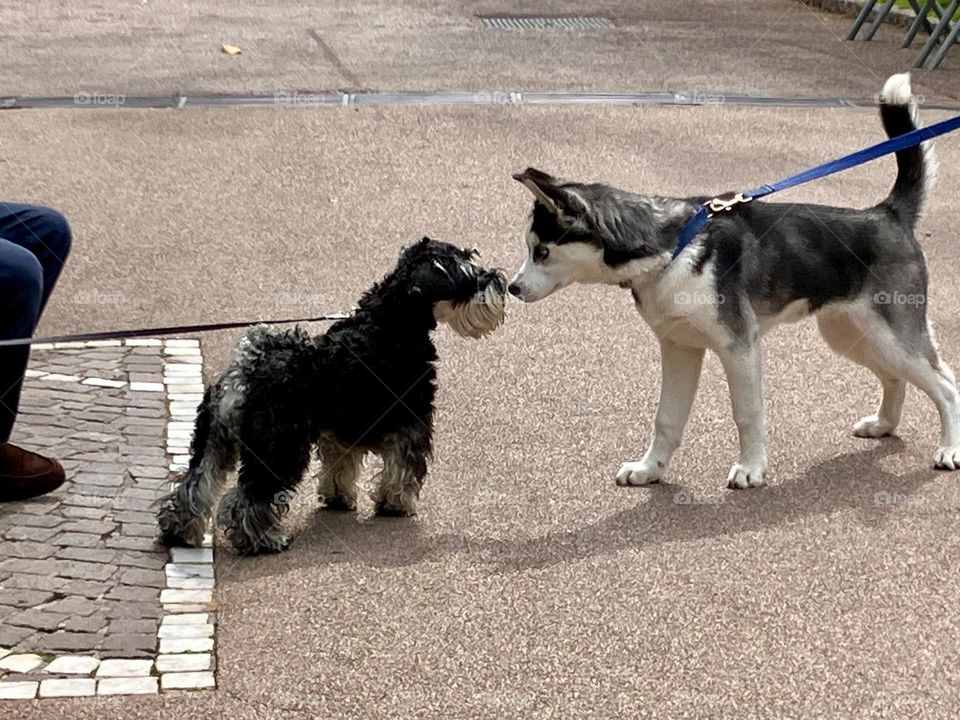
[34,244]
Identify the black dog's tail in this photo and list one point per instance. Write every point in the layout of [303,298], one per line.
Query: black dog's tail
[916,166]
[184,513]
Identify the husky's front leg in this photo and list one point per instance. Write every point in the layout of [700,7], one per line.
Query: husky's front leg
[680,369]
[745,378]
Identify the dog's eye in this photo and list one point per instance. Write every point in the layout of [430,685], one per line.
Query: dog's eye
[541,253]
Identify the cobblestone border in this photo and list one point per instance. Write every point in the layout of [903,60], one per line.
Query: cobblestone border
[185,658]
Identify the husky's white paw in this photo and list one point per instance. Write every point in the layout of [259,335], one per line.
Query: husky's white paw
[947,458]
[872,426]
[746,476]
[641,472]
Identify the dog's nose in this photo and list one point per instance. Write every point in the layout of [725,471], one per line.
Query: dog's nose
[514,289]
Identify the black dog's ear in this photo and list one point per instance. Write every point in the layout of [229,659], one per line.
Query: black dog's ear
[555,195]
[420,243]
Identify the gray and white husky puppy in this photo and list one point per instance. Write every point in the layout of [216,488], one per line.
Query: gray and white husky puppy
[861,273]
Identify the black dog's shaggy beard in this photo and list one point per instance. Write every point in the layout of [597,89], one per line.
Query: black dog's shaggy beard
[367,385]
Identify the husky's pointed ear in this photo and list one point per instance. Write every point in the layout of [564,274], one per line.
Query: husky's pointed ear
[552,193]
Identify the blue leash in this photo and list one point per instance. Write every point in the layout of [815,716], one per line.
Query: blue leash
[728,202]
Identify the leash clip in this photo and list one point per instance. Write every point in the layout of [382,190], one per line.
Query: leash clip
[726,202]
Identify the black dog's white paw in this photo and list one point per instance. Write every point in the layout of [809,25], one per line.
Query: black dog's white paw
[338,504]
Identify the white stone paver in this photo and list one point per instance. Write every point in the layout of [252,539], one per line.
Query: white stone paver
[183,386]
[186,680]
[124,668]
[169,646]
[59,377]
[104,382]
[73,665]
[182,379]
[144,342]
[187,662]
[177,381]
[147,386]
[174,608]
[127,686]
[188,570]
[171,595]
[185,631]
[69,687]
[181,408]
[21,662]
[191,555]
[18,690]
[182,369]
[190,583]
[197,618]
[3,652]
[102,343]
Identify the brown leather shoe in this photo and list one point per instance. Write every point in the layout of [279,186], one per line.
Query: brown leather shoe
[24,474]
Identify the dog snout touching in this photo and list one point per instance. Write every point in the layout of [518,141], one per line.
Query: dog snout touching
[514,289]
[495,279]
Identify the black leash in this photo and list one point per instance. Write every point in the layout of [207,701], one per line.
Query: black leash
[160,331]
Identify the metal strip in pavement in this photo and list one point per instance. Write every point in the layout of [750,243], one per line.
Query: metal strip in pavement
[294,99]
[557,22]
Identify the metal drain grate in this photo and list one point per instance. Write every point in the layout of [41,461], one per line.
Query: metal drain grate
[581,22]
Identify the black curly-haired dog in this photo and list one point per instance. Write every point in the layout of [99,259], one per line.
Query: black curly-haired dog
[365,386]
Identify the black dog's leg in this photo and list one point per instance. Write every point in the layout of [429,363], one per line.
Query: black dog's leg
[339,474]
[184,513]
[270,471]
[404,455]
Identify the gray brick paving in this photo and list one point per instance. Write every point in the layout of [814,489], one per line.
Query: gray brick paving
[80,573]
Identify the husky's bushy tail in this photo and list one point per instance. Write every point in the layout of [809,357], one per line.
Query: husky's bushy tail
[916,166]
